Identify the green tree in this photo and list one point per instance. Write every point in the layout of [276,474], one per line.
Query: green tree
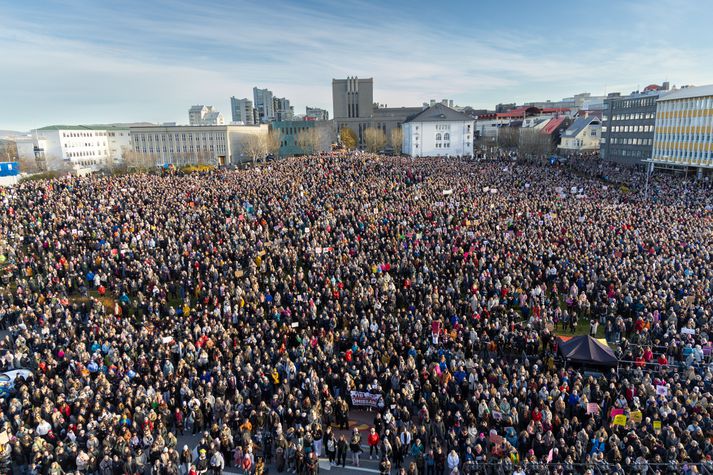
[348,138]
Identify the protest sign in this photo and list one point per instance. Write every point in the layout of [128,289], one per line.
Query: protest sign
[620,420]
[360,398]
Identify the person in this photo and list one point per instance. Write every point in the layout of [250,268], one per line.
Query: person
[217,463]
[331,447]
[384,465]
[355,446]
[453,461]
[341,451]
[186,460]
[373,442]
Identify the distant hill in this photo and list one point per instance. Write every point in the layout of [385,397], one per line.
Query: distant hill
[6,134]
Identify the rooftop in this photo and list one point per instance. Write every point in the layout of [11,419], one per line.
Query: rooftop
[688,92]
[439,113]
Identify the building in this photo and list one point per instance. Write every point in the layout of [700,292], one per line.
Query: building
[322,140]
[316,113]
[264,104]
[242,111]
[282,109]
[352,97]
[583,135]
[354,108]
[204,115]
[628,126]
[438,131]
[182,145]
[684,129]
[78,146]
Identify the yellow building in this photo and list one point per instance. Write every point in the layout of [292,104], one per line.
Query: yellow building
[684,128]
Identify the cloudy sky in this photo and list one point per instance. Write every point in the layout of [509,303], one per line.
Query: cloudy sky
[76,61]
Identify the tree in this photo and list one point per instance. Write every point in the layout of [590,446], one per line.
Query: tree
[348,138]
[397,139]
[310,140]
[273,142]
[374,139]
[255,147]
[534,142]
[508,137]
[132,159]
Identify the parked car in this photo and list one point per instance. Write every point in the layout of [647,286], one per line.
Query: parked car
[8,378]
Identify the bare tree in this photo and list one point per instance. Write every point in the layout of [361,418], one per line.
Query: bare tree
[273,142]
[534,142]
[254,147]
[374,139]
[310,140]
[397,139]
[508,137]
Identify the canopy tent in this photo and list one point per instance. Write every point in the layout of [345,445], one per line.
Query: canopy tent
[587,350]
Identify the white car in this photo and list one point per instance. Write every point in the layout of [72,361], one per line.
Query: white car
[7,380]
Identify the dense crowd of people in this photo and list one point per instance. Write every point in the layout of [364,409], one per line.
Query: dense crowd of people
[247,306]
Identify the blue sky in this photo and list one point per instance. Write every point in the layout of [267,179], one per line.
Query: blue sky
[76,61]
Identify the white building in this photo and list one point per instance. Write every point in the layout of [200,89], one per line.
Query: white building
[80,146]
[684,128]
[185,144]
[583,135]
[438,131]
[204,115]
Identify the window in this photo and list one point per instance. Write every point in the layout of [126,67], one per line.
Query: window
[446,136]
[438,136]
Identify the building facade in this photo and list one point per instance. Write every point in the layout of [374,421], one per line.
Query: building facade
[628,124]
[321,141]
[242,111]
[204,115]
[282,109]
[684,128]
[78,146]
[583,135]
[264,104]
[352,97]
[183,145]
[316,113]
[438,131]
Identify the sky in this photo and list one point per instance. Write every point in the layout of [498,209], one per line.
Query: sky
[83,61]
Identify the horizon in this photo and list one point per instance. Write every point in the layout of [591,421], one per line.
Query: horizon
[68,66]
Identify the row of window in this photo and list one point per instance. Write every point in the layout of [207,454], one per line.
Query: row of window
[630,128]
[85,154]
[186,148]
[631,103]
[628,141]
[443,145]
[635,116]
[694,103]
[84,134]
[183,136]
[705,121]
[443,126]
[685,154]
[685,138]
[85,144]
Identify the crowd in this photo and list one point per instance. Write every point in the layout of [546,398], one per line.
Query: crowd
[246,306]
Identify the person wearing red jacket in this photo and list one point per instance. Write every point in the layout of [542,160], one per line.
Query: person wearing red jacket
[373,441]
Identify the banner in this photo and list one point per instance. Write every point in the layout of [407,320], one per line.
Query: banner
[360,398]
[620,420]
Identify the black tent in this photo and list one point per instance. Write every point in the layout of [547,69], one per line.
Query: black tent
[586,350]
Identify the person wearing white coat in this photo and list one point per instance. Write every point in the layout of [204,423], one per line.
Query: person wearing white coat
[453,461]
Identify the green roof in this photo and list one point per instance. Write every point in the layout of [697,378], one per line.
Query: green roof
[84,127]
